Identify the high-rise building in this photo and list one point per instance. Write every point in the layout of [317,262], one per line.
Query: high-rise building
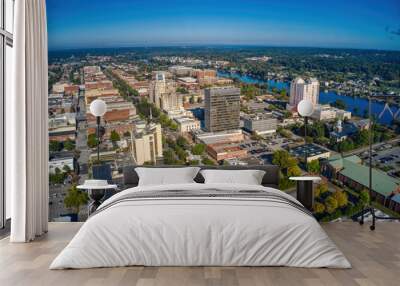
[303,89]
[222,108]
[163,93]
[147,144]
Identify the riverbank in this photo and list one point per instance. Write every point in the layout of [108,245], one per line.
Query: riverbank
[356,105]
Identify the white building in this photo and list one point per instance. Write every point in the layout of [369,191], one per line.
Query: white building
[180,70]
[261,123]
[163,93]
[327,112]
[60,164]
[301,89]
[187,124]
[62,120]
[147,144]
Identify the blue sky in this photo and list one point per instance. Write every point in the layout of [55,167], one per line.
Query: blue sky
[368,24]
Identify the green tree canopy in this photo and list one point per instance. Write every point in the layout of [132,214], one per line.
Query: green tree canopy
[283,159]
[66,169]
[92,140]
[364,197]
[319,208]
[320,189]
[198,149]
[314,167]
[362,138]
[182,142]
[114,136]
[206,161]
[75,198]
[341,198]
[69,145]
[55,146]
[331,204]
[169,157]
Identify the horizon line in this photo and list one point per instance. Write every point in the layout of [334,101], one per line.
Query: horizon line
[216,45]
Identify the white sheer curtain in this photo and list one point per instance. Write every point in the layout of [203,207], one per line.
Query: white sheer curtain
[26,119]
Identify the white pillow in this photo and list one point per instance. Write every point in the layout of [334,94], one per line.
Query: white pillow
[248,177]
[166,176]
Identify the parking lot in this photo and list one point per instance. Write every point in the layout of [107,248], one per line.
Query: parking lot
[385,157]
[264,148]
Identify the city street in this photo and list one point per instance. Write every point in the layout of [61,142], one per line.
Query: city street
[81,139]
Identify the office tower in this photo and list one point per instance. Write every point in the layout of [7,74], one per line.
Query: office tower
[222,109]
[163,93]
[147,144]
[303,89]
[157,87]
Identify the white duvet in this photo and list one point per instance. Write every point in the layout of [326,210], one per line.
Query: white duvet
[200,231]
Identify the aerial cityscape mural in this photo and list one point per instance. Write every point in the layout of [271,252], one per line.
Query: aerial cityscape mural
[219,83]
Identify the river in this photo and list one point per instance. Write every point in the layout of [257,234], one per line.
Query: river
[356,105]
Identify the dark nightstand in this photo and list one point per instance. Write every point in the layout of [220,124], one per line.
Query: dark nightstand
[305,193]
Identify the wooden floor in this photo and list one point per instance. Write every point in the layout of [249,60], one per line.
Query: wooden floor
[375,257]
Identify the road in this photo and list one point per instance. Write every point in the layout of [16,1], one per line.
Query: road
[81,139]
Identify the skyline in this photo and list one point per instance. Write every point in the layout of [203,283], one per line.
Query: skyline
[122,23]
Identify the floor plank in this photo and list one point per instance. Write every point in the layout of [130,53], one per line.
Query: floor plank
[375,257]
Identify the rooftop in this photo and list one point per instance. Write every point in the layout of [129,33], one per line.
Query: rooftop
[381,182]
[310,149]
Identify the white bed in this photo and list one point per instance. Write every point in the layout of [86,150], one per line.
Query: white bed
[206,230]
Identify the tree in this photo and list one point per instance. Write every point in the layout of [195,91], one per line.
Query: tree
[57,177]
[191,100]
[69,145]
[314,167]
[341,198]
[319,208]
[294,171]
[283,159]
[346,145]
[92,140]
[198,149]
[320,190]
[339,104]
[284,133]
[362,138]
[182,154]
[181,141]
[206,161]
[114,136]
[331,204]
[318,129]
[194,162]
[364,197]
[173,126]
[169,157]
[66,169]
[75,198]
[55,146]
